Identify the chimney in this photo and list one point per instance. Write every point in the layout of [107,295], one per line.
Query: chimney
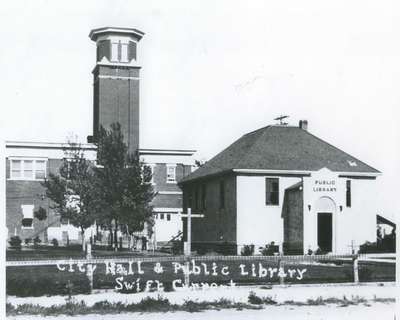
[303,124]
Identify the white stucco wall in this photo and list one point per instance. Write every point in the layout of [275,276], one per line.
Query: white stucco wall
[351,226]
[73,232]
[164,229]
[258,223]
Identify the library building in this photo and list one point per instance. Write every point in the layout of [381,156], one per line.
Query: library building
[282,186]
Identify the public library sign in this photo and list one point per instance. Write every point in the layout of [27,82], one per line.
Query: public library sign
[324,185]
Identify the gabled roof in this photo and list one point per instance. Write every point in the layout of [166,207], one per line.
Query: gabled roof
[281,148]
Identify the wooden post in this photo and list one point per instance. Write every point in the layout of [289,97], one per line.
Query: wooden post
[188,246]
[355,269]
[280,265]
[89,274]
[88,251]
[89,270]
[189,232]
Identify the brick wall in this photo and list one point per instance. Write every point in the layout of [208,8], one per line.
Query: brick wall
[218,225]
[160,180]
[292,213]
[18,193]
[116,99]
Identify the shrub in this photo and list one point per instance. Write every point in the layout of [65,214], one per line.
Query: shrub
[319,251]
[27,241]
[254,299]
[368,247]
[177,247]
[247,250]
[36,241]
[54,242]
[226,248]
[40,214]
[15,242]
[269,249]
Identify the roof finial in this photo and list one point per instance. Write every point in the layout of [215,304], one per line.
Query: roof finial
[280,119]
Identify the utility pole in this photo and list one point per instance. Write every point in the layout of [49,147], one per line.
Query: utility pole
[188,246]
[189,216]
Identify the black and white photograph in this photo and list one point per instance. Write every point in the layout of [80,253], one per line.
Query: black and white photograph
[199,159]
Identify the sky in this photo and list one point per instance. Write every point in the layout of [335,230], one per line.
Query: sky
[213,71]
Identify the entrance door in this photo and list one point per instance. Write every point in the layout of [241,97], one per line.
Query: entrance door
[325,231]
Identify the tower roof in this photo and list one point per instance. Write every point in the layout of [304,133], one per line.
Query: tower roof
[95,33]
[283,149]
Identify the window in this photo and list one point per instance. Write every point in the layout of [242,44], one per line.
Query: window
[27,216]
[151,168]
[162,216]
[272,191]
[16,167]
[124,52]
[114,51]
[152,174]
[119,52]
[222,195]
[203,196]
[196,199]
[171,173]
[190,199]
[348,193]
[27,169]
[168,217]
[40,170]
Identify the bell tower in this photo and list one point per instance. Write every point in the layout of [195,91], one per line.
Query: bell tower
[116,82]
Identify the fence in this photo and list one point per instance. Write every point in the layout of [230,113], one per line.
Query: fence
[54,276]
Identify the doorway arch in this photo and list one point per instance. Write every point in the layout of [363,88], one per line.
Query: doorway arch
[325,209]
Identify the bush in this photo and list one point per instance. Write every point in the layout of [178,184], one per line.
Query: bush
[247,250]
[40,214]
[319,252]
[27,241]
[54,242]
[269,249]
[226,249]
[36,241]
[177,247]
[15,242]
[254,299]
[368,247]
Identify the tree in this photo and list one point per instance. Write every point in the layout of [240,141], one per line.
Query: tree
[73,191]
[123,183]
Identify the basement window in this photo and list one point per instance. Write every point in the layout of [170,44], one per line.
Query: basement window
[27,213]
[272,191]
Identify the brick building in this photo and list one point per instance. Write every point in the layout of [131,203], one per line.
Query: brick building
[284,185]
[115,99]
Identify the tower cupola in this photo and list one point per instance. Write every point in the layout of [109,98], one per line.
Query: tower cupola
[116,45]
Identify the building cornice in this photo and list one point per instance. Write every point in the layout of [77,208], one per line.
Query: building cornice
[304,172]
[47,145]
[174,152]
[116,30]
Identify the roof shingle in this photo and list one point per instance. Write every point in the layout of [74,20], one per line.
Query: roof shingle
[280,148]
